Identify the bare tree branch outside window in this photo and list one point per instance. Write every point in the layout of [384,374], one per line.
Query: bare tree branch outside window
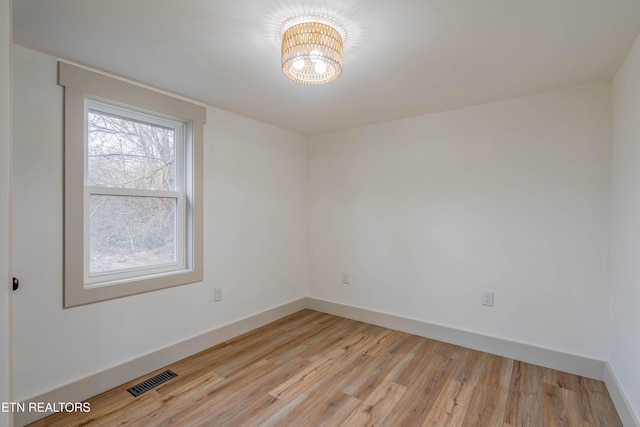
[129,231]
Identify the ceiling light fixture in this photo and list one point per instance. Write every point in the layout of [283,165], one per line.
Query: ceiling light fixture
[312,49]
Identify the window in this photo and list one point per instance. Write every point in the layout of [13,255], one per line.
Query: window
[133,205]
[135,192]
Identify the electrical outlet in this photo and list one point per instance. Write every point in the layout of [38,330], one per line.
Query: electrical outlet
[487,298]
[345,278]
[218,293]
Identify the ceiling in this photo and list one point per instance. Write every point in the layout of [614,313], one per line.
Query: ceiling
[402,58]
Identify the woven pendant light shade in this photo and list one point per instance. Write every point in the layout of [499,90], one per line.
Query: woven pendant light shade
[312,53]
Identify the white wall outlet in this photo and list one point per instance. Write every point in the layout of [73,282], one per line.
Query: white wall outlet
[218,293]
[487,298]
[345,278]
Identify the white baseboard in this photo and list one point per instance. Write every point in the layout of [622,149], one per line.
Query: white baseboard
[625,411]
[548,358]
[118,375]
[113,377]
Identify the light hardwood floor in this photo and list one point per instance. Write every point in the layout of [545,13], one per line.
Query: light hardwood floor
[312,369]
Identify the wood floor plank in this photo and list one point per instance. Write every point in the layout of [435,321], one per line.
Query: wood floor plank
[468,369]
[379,367]
[378,405]
[595,402]
[598,409]
[524,402]
[297,322]
[374,330]
[421,393]
[561,380]
[345,330]
[233,396]
[451,351]
[200,403]
[251,352]
[489,401]
[315,369]
[312,334]
[417,360]
[302,407]
[560,406]
[334,411]
[305,379]
[380,343]
[451,406]
[255,413]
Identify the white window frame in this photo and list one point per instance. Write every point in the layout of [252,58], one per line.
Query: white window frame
[84,89]
[180,129]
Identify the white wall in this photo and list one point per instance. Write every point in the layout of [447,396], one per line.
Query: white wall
[5,187]
[426,212]
[625,229]
[255,237]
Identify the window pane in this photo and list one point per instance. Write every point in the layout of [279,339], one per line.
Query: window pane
[128,153]
[131,232]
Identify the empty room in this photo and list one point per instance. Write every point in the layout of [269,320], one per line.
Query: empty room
[304,213]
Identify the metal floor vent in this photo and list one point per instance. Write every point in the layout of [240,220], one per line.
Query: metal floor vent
[152,382]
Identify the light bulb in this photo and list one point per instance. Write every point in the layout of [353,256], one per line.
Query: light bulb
[298,64]
[320,67]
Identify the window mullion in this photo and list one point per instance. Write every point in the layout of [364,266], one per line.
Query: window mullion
[132,192]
